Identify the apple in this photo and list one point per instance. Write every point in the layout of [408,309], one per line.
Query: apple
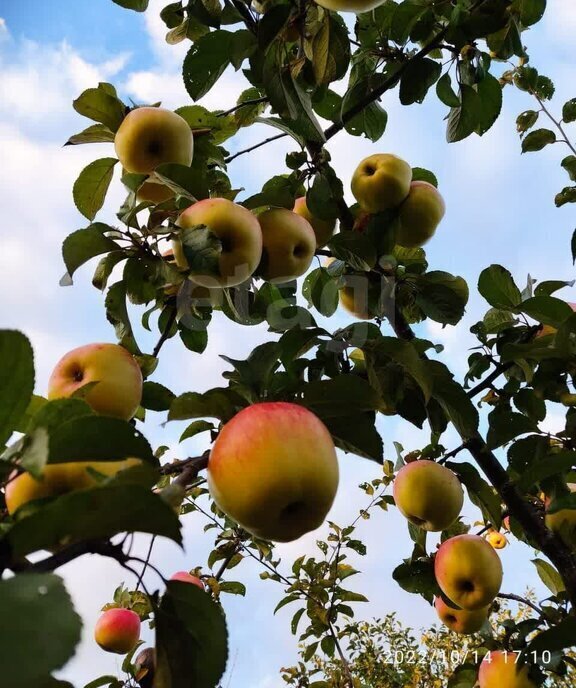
[239,232]
[117,630]
[154,192]
[144,667]
[468,571]
[273,469]
[323,229]
[419,215]
[428,495]
[353,295]
[288,245]
[356,6]
[563,522]
[185,577]
[461,620]
[500,669]
[118,378]
[58,479]
[496,539]
[381,181]
[357,357]
[150,136]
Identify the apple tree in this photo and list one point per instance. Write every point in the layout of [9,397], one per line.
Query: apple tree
[80,478]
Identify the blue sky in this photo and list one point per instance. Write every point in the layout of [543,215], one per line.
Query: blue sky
[499,209]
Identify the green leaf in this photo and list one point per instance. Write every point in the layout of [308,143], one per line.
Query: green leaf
[417,577]
[136,5]
[453,399]
[567,195]
[195,428]
[573,246]
[82,245]
[479,491]
[233,588]
[330,50]
[529,11]
[46,633]
[421,174]
[569,164]
[546,309]
[526,120]
[497,286]
[97,438]
[321,291]
[417,79]
[117,315]
[332,398]
[16,380]
[445,92]
[463,120]
[156,397]
[92,514]
[506,426]
[372,120]
[356,433]
[537,140]
[556,638]
[191,638]
[184,181]
[404,19]
[490,94]
[221,403]
[205,62]
[96,133]
[569,111]
[353,248]
[52,414]
[101,106]
[442,296]
[195,340]
[90,188]
[549,576]
[530,405]
[104,268]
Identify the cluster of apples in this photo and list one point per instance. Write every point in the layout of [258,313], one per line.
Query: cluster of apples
[467,569]
[278,244]
[114,388]
[118,629]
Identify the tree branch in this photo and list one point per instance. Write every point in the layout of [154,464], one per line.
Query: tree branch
[253,101]
[254,147]
[166,334]
[522,600]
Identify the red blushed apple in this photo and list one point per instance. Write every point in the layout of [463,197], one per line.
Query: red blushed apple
[118,378]
[273,469]
[239,233]
[501,669]
[185,577]
[468,571]
[117,630]
[460,620]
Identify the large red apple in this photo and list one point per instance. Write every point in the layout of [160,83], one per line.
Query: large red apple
[273,469]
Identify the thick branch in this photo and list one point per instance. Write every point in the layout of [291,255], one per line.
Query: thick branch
[521,600]
[105,549]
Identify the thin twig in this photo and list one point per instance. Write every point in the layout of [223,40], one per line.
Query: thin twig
[253,101]
[147,561]
[166,333]
[522,600]
[254,147]
[556,122]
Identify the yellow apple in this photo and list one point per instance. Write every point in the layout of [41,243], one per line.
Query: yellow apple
[118,378]
[496,539]
[154,192]
[563,522]
[381,182]
[428,495]
[500,669]
[150,136]
[358,359]
[323,229]
[468,571]
[273,469]
[460,620]
[356,6]
[288,245]
[240,234]
[419,215]
[58,479]
[117,630]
